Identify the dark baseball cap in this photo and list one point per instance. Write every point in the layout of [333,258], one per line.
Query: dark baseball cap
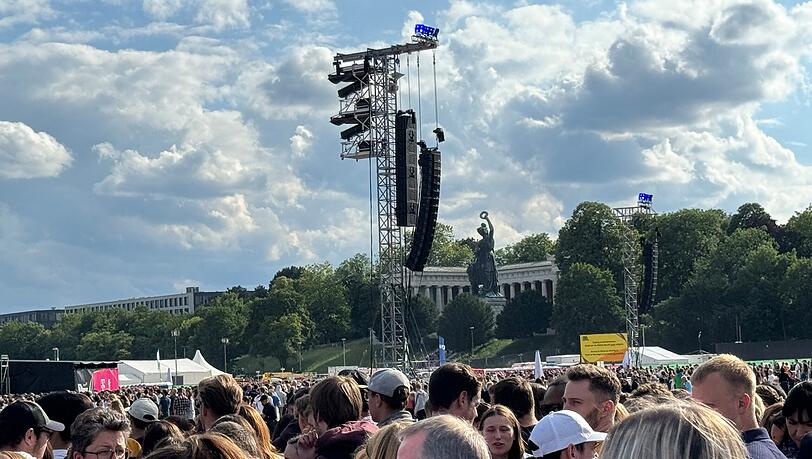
[23,415]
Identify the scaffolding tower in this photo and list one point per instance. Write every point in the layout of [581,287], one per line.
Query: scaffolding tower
[631,271]
[370,103]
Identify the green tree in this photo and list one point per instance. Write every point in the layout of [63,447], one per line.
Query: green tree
[291,272]
[326,300]
[445,250]
[527,313]
[282,299]
[105,345]
[285,337]
[459,315]
[23,340]
[755,294]
[685,236]
[360,279]
[150,330]
[594,236]
[797,296]
[224,317]
[425,314]
[535,247]
[718,291]
[753,215]
[798,233]
[586,302]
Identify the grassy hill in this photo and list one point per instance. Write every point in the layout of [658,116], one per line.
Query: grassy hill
[495,353]
[315,360]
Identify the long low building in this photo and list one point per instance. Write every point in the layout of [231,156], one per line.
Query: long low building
[178,303]
[443,284]
[45,317]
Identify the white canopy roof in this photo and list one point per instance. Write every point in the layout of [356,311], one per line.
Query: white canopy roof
[132,372]
[198,359]
[655,355]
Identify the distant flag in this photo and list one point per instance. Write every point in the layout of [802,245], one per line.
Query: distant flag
[442,350]
[158,359]
[537,371]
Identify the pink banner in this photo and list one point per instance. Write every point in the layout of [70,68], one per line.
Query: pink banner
[105,379]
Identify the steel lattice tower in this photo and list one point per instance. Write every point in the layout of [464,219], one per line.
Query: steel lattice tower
[631,273]
[377,79]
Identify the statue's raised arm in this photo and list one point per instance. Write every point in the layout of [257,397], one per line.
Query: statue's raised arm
[484,215]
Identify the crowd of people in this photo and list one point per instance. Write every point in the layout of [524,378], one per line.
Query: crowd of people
[723,408]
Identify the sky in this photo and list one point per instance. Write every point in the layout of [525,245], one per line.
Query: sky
[150,145]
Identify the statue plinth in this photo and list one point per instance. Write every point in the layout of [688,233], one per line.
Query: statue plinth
[495,302]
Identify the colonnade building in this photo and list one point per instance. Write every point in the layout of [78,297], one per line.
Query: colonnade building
[443,284]
[178,303]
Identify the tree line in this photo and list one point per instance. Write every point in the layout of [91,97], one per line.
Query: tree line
[715,271]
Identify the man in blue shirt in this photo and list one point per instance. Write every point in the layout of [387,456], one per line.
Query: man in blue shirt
[728,385]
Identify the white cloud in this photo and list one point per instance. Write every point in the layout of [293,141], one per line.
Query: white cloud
[228,219]
[25,153]
[224,14]
[295,87]
[162,9]
[313,6]
[301,141]
[219,145]
[13,12]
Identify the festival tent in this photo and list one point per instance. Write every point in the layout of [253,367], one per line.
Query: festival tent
[655,355]
[198,359]
[135,372]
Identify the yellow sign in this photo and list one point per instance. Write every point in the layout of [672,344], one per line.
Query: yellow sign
[603,347]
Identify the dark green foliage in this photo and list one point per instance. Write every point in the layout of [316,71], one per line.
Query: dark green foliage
[528,313]
[459,315]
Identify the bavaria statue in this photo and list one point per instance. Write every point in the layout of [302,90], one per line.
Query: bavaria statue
[482,272]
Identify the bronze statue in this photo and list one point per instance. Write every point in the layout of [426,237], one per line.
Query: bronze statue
[482,272]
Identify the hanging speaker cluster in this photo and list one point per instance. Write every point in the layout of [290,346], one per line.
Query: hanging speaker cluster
[429,205]
[650,258]
[405,169]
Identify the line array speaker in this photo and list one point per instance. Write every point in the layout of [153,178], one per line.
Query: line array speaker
[429,205]
[405,169]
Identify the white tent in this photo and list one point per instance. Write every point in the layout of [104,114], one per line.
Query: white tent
[198,359]
[655,355]
[134,372]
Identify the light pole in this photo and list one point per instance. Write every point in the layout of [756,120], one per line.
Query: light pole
[343,352]
[225,354]
[471,328]
[175,334]
[56,353]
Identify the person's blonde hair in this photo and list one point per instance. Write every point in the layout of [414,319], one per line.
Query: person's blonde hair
[204,446]
[384,443]
[733,369]
[263,434]
[621,412]
[10,455]
[676,430]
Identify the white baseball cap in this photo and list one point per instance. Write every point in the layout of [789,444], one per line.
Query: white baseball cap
[386,382]
[560,429]
[143,409]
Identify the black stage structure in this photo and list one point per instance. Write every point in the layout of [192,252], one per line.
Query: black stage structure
[39,376]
